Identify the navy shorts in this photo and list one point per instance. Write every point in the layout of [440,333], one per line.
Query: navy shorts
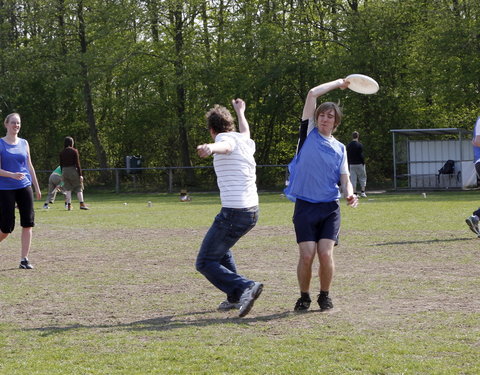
[23,198]
[316,221]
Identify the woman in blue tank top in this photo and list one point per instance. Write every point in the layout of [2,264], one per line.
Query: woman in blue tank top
[17,176]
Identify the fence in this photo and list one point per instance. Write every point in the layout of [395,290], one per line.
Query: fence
[168,179]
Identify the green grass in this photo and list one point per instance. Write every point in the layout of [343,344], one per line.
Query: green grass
[115,291]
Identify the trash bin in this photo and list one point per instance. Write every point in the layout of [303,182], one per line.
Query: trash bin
[133,163]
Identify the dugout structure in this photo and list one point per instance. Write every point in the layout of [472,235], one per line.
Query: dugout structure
[419,154]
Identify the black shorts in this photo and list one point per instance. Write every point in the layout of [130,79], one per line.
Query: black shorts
[316,221]
[24,200]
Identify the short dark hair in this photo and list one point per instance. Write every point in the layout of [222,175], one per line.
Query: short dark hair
[355,135]
[220,120]
[68,142]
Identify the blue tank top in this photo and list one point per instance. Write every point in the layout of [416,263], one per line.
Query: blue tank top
[315,171]
[14,159]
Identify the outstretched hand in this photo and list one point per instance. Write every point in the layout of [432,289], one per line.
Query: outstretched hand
[204,150]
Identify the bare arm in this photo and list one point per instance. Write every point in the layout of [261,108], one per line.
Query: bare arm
[33,174]
[240,106]
[347,189]
[313,94]
[208,149]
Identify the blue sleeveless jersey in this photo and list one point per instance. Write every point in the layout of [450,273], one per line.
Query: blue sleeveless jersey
[315,171]
[14,159]
[476,149]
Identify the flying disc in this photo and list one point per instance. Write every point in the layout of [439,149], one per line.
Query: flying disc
[362,84]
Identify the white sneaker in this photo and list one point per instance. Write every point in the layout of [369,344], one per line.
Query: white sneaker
[363,195]
[248,298]
[472,222]
[227,306]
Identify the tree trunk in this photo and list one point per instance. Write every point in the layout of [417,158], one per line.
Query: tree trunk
[176,17]
[87,96]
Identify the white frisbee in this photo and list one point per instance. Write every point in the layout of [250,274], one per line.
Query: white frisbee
[362,84]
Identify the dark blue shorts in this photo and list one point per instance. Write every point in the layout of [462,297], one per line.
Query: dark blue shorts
[316,221]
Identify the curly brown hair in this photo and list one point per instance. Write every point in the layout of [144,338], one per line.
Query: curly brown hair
[220,120]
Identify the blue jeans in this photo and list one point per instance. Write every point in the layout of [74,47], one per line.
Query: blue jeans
[215,259]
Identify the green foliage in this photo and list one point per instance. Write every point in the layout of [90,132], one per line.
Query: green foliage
[155,67]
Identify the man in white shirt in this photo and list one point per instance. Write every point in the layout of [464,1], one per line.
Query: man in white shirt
[234,166]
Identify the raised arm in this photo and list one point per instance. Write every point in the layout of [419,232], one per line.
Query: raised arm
[313,94]
[239,106]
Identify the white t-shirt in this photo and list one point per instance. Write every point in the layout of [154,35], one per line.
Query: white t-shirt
[235,171]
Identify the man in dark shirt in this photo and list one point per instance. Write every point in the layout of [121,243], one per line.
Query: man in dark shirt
[356,163]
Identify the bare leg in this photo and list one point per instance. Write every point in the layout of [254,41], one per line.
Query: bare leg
[305,261]
[3,236]
[26,241]
[80,196]
[327,264]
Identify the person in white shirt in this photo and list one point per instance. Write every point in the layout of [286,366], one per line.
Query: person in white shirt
[234,166]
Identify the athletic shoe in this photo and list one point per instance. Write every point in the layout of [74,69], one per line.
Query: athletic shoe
[83,206]
[25,264]
[227,306]
[248,297]
[472,222]
[363,195]
[302,305]
[325,302]
[45,206]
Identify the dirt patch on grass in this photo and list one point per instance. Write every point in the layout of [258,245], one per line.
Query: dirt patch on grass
[146,277]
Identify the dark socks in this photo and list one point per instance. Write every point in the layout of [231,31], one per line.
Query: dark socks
[305,296]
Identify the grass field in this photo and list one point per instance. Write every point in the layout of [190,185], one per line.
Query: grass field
[115,291]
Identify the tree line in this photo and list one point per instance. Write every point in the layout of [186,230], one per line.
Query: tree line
[135,77]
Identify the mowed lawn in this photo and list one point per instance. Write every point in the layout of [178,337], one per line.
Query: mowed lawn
[115,291]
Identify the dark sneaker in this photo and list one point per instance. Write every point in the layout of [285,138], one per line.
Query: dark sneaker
[248,297]
[325,302]
[472,222]
[302,305]
[45,206]
[227,306]
[25,264]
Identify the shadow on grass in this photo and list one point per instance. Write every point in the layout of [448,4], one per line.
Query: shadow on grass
[425,241]
[166,323]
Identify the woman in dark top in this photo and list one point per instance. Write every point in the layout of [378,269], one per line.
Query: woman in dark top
[72,173]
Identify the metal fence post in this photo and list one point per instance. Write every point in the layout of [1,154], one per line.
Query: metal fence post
[117,181]
[170,180]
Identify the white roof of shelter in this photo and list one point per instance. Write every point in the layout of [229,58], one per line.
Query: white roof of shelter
[435,131]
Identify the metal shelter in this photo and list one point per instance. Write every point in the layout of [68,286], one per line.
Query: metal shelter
[419,154]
